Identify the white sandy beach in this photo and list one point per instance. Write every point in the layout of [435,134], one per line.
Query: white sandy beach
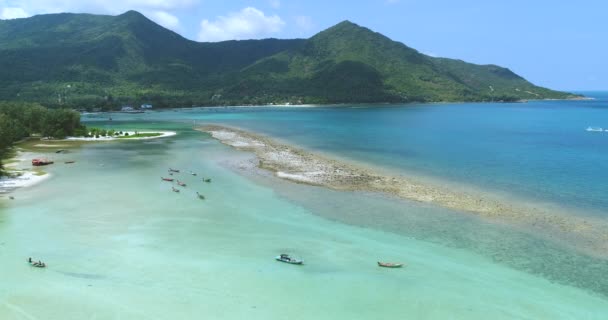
[164,134]
[24,179]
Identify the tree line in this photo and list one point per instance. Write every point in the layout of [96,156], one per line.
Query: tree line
[19,120]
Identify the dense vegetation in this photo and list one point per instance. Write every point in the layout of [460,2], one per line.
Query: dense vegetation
[88,61]
[21,120]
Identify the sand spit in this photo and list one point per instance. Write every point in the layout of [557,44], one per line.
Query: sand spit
[163,134]
[583,233]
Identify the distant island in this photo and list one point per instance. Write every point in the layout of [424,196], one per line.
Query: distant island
[97,61]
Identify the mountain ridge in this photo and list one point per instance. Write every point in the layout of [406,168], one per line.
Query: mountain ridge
[104,61]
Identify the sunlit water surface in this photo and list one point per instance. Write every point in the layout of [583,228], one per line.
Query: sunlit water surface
[120,244]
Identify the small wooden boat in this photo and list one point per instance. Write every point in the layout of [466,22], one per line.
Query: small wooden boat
[41,162]
[173,170]
[167,179]
[390,265]
[37,264]
[287,259]
[69,162]
[207,180]
[181,184]
[200,196]
[174,189]
[193,173]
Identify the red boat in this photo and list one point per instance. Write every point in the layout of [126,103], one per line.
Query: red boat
[41,162]
[167,179]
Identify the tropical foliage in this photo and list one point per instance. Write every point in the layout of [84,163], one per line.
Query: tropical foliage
[94,61]
[21,120]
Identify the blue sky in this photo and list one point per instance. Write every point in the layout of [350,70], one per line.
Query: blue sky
[557,44]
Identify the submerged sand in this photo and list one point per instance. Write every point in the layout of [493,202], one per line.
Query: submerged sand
[583,233]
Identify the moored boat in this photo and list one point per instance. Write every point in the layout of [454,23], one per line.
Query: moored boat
[181,184]
[200,196]
[287,259]
[41,162]
[175,189]
[390,265]
[37,264]
[173,170]
[167,179]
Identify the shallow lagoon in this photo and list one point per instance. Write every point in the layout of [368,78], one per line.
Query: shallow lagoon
[120,244]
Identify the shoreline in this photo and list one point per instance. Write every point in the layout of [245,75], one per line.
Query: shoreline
[24,179]
[356,104]
[588,234]
[163,134]
[20,176]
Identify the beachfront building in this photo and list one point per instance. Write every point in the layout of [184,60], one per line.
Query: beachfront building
[146,106]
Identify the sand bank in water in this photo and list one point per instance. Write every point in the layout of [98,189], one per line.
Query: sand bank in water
[163,134]
[583,233]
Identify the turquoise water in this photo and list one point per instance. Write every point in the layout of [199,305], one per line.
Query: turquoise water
[538,150]
[120,244]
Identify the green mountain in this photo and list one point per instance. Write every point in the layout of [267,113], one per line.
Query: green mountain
[85,60]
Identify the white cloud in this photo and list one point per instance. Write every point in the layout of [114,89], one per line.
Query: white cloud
[165,19]
[275,3]
[248,23]
[13,13]
[304,23]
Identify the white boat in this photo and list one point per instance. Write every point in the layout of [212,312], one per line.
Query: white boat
[595,129]
[287,259]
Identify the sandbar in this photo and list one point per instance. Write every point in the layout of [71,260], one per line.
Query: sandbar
[584,233]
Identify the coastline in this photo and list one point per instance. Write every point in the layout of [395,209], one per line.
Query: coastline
[163,134]
[23,179]
[354,104]
[587,234]
[19,176]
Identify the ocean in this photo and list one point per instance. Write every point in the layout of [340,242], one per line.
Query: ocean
[120,244]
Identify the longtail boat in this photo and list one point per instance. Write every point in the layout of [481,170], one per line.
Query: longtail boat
[181,184]
[173,170]
[390,265]
[167,179]
[287,259]
[41,162]
[37,264]
[174,189]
